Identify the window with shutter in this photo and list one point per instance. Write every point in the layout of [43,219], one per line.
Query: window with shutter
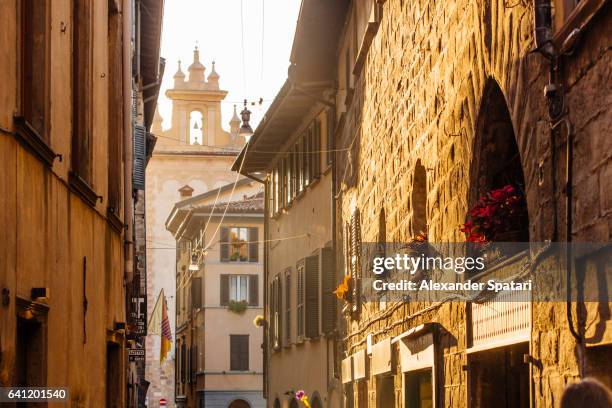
[355,261]
[139,144]
[306,159]
[115,111]
[34,65]
[287,316]
[331,126]
[275,312]
[196,293]
[224,244]
[253,290]
[82,93]
[188,370]
[253,244]
[299,309]
[239,352]
[311,288]
[183,362]
[328,284]
[224,290]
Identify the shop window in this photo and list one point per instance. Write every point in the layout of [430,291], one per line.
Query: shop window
[385,392]
[419,389]
[499,377]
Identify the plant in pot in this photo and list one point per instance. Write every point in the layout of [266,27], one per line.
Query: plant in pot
[237,306]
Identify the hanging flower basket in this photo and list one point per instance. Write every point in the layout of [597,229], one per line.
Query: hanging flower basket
[237,306]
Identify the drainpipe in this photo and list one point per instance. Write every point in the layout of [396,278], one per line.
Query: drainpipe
[554,94]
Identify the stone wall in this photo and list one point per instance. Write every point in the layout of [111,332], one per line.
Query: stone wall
[418,97]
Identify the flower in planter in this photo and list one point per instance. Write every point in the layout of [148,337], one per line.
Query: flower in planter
[259,321]
[237,306]
[496,213]
[342,290]
[303,398]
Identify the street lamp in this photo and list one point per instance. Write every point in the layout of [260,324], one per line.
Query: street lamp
[245,129]
[193,266]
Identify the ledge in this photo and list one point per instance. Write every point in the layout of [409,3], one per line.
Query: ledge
[114,220]
[83,189]
[31,140]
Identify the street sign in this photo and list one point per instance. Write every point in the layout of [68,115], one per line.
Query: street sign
[137,354]
[162,402]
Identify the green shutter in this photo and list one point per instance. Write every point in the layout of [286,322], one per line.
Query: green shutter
[224,290]
[224,244]
[253,244]
[312,297]
[253,290]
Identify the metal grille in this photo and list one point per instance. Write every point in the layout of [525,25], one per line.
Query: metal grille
[505,319]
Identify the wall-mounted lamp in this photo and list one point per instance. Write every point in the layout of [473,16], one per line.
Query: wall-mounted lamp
[193,266]
[245,129]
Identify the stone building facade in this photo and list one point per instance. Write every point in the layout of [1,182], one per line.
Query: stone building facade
[219,292]
[192,156]
[438,102]
[80,84]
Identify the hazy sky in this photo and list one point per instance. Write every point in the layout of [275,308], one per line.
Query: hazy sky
[216,27]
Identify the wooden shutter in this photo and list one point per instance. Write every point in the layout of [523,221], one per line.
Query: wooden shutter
[239,352]
[312,297]
[300,300]
[278,308]
[196,293]
[224,244]
[331,126]
[355,258]
[253,290]
[316,149]
[194,363]
[328,284]
[224,290]
[287,310]
[138,172]
[253,244]
[183,365]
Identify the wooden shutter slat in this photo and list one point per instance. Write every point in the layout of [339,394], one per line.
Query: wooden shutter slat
[224,290]
[253,290]
[312,296]
[138,171]
[224,244]
[253,244]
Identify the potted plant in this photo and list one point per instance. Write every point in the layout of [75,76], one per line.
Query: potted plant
[237,306]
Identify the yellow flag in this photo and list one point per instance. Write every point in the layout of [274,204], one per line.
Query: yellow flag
[166,333]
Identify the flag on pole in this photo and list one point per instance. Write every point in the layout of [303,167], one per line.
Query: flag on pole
[166,333]
[154,326]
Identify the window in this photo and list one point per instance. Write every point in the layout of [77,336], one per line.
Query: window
[183,361]
[419,389]
[275,311]
[419,200]
[300,300]
[331,126]
[115,111]
[239,244]
[81,85]
[239,288]
[33,63]
[239,352]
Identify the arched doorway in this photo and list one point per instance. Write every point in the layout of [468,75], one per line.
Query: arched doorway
[239,403]
[496,161]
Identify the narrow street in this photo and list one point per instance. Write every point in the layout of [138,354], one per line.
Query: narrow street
[306,203]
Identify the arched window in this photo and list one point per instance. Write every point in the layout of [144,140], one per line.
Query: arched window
[496,162]
[419,200]
[196,130]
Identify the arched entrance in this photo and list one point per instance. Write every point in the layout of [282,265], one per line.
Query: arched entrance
[239,403]
[496,161]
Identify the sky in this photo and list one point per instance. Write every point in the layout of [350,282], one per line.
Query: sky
[215,26]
